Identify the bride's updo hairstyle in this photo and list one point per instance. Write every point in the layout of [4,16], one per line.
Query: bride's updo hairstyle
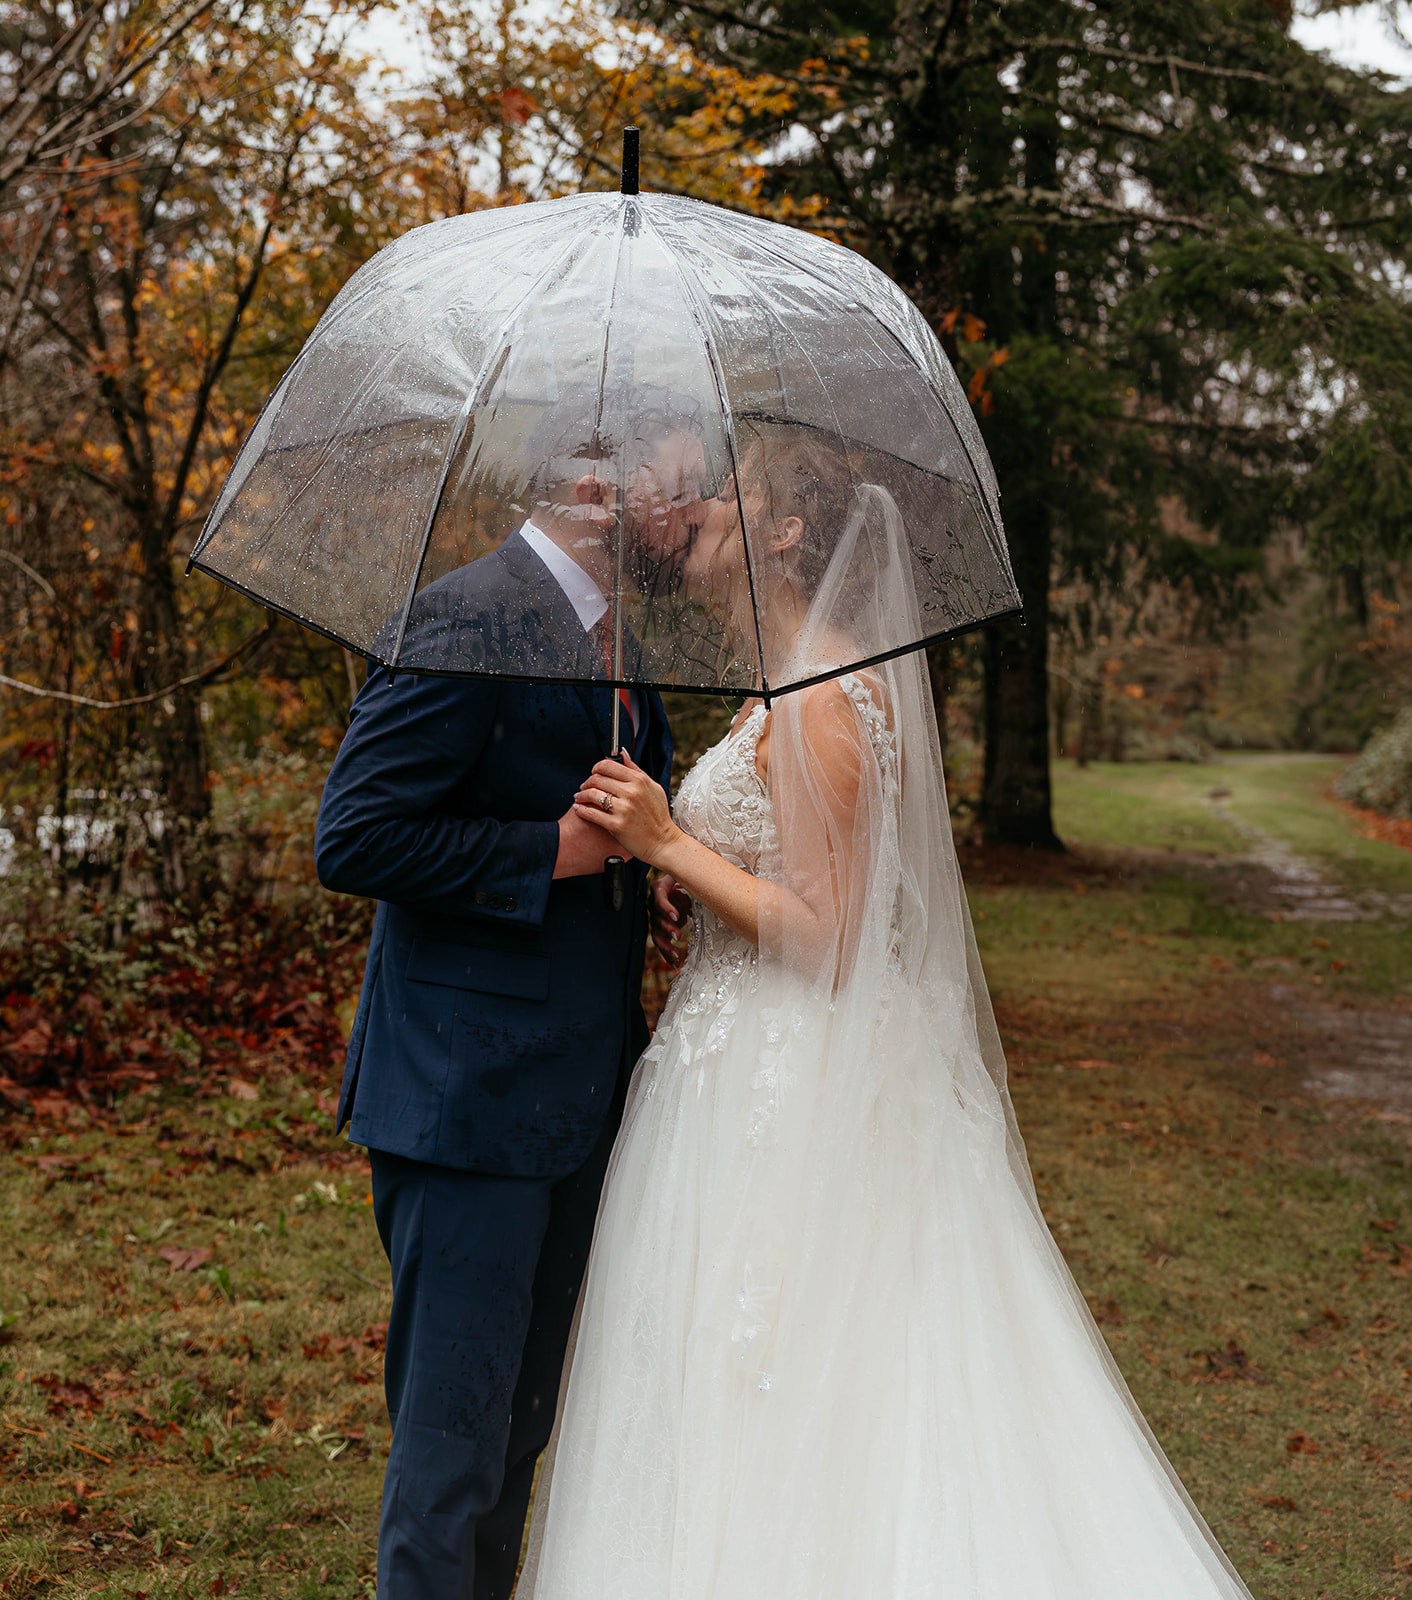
[803,475]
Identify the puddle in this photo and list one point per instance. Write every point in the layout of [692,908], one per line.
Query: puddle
[1353,1054]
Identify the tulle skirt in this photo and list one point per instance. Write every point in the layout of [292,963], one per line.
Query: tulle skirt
[827,1349]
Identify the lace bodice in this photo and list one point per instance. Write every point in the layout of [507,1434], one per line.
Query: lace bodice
[722,802]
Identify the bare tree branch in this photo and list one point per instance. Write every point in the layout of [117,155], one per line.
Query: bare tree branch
[206,675]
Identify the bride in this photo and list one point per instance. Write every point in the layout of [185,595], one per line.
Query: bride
[827,1349]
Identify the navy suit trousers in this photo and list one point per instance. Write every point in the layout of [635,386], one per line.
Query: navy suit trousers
[485,1276]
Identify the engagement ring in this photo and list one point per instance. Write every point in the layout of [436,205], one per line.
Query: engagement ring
[606,801]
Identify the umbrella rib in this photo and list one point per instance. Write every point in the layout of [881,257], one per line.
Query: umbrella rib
[698,315]
[491,367]
[616,662]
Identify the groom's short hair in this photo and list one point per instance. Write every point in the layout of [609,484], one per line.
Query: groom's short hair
[587,426]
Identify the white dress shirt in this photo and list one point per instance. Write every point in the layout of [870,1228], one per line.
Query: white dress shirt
[582,592]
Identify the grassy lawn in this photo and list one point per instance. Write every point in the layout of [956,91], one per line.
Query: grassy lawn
[178,1424]
[1168,806]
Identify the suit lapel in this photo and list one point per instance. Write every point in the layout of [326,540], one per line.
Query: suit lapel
[557,622]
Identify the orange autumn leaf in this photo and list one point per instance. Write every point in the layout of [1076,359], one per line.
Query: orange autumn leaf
[972,328]
[517,105]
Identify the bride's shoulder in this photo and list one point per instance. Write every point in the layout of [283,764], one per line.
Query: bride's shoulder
[854,701]
[841,726]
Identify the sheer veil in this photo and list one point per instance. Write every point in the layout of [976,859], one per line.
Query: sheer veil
[877,930]
[827,1344]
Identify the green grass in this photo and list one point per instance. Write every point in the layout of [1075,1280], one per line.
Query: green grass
[213,1430]
[1152,805]
[1167,806]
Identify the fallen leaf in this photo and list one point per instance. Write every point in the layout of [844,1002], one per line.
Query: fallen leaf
[238,1089]
[1300,1444]
[65,1396]
[1232,1362]
[185,1260]
[1387,1224]
[1280,1502]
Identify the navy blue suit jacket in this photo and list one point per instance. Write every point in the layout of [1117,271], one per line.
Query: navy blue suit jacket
[499,1007]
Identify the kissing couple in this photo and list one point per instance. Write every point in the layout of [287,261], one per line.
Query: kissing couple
[771,1296]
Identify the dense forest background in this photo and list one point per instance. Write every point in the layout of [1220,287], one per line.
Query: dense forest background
[1165,244]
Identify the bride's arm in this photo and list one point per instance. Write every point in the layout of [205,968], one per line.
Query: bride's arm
[641,821]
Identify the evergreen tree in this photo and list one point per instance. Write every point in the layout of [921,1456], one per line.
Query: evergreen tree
[1167,247]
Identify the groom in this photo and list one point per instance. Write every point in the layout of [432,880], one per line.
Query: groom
[499,1015]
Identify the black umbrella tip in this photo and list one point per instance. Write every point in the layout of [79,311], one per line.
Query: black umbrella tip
[630,148]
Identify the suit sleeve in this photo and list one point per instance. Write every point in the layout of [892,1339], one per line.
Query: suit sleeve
[385,829]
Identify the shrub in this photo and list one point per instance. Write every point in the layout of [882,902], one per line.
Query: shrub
[1380,779]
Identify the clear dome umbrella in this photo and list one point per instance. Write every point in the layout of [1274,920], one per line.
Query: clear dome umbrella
[648,385]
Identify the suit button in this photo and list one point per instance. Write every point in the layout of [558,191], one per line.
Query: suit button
[509,902]
[482,898]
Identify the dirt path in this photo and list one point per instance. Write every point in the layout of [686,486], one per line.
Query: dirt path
[1359,1053]
[1296,888]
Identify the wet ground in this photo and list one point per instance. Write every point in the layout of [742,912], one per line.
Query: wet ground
[1354,1053]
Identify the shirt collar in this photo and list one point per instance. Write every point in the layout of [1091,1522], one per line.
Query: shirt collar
[582,592]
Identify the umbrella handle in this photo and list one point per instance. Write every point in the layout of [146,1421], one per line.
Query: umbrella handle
[615,883]
[615,868]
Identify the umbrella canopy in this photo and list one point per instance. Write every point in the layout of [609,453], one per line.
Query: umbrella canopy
[657,392]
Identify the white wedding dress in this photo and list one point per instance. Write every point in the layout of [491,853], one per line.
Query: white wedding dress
[827,1349]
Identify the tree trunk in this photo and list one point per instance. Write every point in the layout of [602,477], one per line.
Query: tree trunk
[1015,797]
[176,738]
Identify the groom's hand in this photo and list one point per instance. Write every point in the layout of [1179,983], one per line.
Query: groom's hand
[582,848]
[668,911]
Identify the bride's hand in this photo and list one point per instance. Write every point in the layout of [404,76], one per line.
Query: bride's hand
[623,800]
